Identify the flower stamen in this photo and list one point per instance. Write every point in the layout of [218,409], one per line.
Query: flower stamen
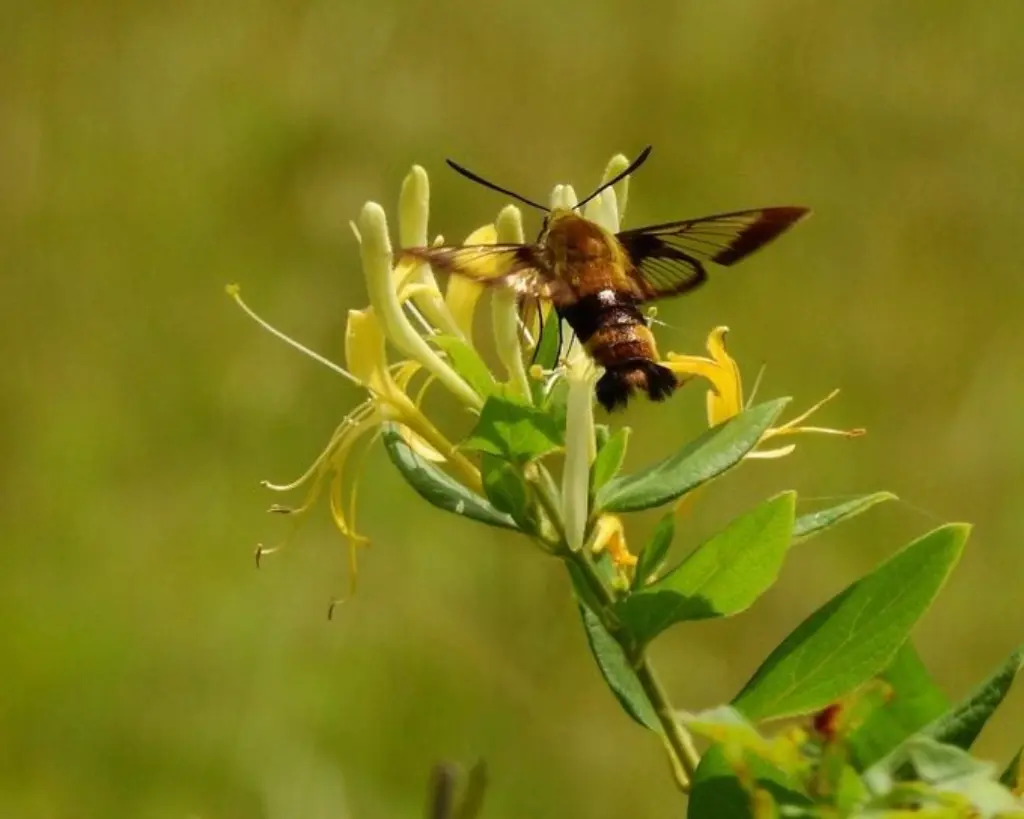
[235,292]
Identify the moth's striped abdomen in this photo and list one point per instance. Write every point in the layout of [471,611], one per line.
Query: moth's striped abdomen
[615,334]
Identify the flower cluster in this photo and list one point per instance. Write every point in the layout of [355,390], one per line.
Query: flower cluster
[413,334]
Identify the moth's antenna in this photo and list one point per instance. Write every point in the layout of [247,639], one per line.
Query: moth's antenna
[481,181]
[636,163]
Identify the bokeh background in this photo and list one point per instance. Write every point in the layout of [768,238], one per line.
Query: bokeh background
[151,153]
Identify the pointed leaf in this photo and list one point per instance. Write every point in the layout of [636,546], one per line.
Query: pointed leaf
[961,725]
[514,431]
[723,576]
[718,793]
[811,524]
[437,487]
[546,354]
[653,554]
[715,451]
[915,701]
[507,491]
[617,671]
[609,459]
[1013,776]
[856,634]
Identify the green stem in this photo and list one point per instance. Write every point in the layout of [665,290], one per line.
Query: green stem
[544,490]
[682,753]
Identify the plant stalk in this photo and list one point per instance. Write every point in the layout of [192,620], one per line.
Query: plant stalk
[682,753]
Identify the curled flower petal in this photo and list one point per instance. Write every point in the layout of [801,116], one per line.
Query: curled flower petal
[610,537]
[505,308]
[365,355]
[463,293]
[725,396]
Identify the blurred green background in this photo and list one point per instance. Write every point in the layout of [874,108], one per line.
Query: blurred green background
[151,153]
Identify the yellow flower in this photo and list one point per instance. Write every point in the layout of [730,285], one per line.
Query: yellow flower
[609,536]
[388,399]
[725,396]
[399,295]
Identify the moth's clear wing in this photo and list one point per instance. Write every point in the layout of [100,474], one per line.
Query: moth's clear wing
[519,267]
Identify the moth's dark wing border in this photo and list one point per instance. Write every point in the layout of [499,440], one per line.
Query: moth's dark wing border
[668,259]
[726,237]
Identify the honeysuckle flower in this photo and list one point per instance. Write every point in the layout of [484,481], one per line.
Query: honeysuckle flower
[338,465]
[610,537]
[399,294]
[382,280]
[725,395]
[410,313]
[580,449]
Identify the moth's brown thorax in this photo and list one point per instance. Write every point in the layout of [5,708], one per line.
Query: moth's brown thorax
[583,254]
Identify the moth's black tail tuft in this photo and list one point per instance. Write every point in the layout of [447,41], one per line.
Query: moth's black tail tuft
[613,390]
[618,383]
[661,381]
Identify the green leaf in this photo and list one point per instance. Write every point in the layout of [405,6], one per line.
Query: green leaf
[514,431]
[717,793]
[581,587]
[507,491]
[856,634]
[723,576]
[466,361]
[438,487]
[915,701]
[617,671]
[609,459]
[811,524]
[961,725]
[1013,776]
[715,451]
[653,554]
[550,340]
